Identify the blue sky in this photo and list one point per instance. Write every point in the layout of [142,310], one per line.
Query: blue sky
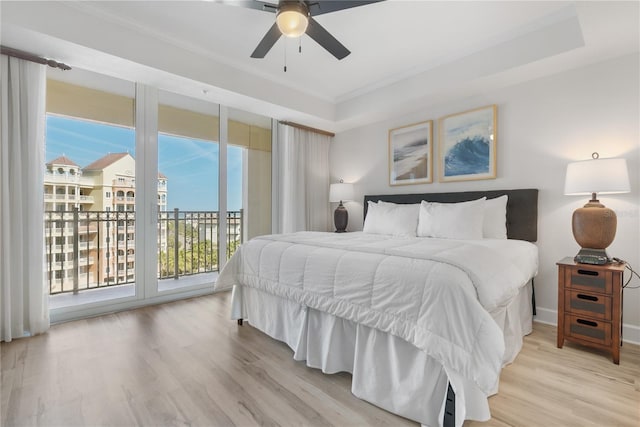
[190,165]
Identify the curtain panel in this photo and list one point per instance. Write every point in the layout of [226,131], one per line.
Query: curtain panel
[23,297]
[303,180]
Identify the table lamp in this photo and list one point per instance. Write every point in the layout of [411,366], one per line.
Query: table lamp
[340,192]
[594,225]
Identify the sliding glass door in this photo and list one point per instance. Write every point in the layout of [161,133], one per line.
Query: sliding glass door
[89,188]
[188,186]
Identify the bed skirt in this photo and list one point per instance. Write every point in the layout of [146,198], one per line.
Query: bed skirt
[386,370]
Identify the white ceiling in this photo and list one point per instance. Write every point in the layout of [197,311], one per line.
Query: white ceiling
[406,55]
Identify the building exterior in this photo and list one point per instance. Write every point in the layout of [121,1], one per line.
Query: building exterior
[90,212]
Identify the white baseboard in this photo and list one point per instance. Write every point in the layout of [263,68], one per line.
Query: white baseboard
[630,333]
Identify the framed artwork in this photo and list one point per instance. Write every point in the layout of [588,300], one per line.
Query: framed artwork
[467,144]
[410,154]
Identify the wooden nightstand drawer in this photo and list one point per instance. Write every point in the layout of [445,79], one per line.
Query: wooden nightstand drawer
[589,279]
[587,304]
[584,328]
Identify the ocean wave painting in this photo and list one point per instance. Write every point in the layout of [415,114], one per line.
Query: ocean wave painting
[467,157]
[467,145]
[410,149]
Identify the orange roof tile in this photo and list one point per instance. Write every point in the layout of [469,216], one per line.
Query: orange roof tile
[62,160]
[105,161]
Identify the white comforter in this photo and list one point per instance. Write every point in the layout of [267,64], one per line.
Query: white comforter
[433,293]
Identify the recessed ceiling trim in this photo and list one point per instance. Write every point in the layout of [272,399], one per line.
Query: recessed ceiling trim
[94,10]
[537,45]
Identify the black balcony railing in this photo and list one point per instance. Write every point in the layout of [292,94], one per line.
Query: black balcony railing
[96,249]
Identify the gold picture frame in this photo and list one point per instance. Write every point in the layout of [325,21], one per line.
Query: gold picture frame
[411,154]
[467,145]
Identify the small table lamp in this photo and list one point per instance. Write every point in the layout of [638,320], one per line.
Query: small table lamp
[594,225]
[337,193]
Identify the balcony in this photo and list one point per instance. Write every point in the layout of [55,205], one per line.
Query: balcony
[57,249]
[189,246]
[56,178]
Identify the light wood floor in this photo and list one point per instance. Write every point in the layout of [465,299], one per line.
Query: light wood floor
[186,364]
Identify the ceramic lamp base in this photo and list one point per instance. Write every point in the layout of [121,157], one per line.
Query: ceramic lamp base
[341,218]
[594,225]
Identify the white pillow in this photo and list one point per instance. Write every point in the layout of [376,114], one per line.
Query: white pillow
[495,218]
[452,220]
[390,218]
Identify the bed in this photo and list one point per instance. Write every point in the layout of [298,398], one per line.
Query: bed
[424,325]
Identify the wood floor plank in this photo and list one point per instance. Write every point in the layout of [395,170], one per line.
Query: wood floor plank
[186,364]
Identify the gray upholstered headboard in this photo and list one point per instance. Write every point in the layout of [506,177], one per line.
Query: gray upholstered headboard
[522,207]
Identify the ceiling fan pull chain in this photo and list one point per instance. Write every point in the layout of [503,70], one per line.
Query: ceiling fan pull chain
[300,44]
[285,54]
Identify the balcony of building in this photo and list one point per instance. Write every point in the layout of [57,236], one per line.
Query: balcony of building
[85,199]
[58,178]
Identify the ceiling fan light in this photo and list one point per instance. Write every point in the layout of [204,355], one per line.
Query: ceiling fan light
[292,20]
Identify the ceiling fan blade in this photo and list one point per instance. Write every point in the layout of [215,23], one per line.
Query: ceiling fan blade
[251,4]
[320,7]
[267,42]
[326,40]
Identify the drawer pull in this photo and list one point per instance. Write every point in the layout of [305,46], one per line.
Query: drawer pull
[587,297]
[588,272]
[587,322]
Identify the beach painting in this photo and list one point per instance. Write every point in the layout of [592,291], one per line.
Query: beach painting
[467,145]
[410,154]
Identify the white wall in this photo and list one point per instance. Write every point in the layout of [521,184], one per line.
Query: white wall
[542,125]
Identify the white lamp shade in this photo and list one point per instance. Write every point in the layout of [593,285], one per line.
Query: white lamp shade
[604,176]
[340,192]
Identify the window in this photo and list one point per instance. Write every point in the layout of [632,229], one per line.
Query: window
[248,177]
[98,116]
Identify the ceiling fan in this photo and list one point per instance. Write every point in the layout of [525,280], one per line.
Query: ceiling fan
[295,18]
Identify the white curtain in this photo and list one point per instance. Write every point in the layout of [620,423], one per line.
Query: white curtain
[303,175]
[23,298]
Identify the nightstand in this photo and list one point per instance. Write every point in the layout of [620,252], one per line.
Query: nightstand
[590,305]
